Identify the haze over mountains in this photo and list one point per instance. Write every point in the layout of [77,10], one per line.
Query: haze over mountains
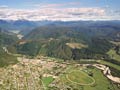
[43,37]
[29,25]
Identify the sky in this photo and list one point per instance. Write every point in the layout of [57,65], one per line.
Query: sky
[64,10]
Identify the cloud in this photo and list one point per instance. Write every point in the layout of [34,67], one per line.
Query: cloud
[63,14]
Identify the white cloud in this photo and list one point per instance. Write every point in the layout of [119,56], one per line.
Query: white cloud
[64,14]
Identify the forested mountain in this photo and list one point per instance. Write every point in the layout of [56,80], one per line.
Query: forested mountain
[23,26]
[75,29]
[51,40]
[56,38]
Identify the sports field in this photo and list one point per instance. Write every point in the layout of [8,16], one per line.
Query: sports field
[80,80]
[80,77]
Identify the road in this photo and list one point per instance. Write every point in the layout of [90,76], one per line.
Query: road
[107,72]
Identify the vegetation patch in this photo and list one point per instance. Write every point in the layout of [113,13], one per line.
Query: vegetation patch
[112,53]
[79,77]
[101,82]
[6,59]
[47,80]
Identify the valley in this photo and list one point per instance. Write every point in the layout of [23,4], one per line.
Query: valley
[50,74]
[61,56]
[59,44]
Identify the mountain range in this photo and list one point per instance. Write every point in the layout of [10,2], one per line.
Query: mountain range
[90,39]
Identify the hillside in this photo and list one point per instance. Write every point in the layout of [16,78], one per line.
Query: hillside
[23,26]
[79,30]
[52,40]
[6,59]
[61,55]
[6,39]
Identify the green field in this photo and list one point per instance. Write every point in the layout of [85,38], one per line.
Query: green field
[47,80]
[101,82]
[79,77]
[112,53]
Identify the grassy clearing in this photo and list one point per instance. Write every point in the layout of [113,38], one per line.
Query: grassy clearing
[101,82]
[79,77]
[112,53]
[47,80]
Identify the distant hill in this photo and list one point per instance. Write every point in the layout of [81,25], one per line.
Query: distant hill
[46,32]
[52,39]
[80,31]
[24,26]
